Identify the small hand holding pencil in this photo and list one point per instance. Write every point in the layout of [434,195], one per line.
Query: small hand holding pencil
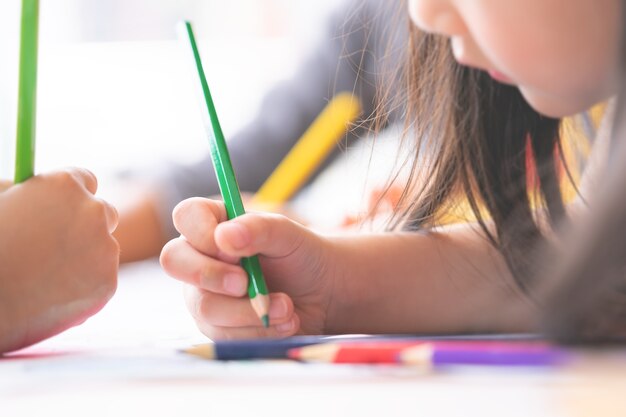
[56,232]
[222,249]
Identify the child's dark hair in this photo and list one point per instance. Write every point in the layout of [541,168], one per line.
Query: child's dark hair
[480,140]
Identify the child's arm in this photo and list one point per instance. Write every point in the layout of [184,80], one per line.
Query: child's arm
[58,260]
[140,233]
[448,281]
[389,283]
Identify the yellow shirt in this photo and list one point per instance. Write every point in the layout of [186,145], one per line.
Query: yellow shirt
[576,148]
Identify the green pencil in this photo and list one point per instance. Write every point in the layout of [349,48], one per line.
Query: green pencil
[27,99]
[257,289]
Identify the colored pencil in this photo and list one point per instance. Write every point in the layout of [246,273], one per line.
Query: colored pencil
[27,92]
[253,348]
[342,352]
[280,348]
[432,355]
[309,152]
[425,352]
[257,289]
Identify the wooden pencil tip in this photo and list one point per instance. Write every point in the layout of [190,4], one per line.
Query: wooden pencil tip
[261,306]
[206,351]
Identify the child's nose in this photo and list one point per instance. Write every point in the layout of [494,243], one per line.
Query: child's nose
[436,16]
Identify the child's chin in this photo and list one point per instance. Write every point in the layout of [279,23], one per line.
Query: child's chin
[555,107]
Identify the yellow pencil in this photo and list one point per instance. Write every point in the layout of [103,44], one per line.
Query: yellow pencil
[309,152]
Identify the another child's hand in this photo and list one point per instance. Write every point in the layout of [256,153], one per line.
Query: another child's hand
[295,263]
[58,260]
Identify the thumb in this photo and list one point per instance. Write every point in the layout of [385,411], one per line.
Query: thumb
[271,235]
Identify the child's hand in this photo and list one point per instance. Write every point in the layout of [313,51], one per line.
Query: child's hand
[58,260]
[295,263]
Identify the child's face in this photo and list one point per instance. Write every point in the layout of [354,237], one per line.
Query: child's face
[562,54]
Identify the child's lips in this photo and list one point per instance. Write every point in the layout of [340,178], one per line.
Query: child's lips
[461,57]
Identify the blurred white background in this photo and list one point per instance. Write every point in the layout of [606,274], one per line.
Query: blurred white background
[114,87]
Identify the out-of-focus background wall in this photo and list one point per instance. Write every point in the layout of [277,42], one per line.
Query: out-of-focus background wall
[113,87]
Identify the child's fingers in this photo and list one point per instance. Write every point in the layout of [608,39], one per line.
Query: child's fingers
[85,177]
[186,264]
[196,219]
[219,310]
[259,233]
[275,331]
[111,215]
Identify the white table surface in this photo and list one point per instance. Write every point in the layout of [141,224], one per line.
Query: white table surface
[126,361]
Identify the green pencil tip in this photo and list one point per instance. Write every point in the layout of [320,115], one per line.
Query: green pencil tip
[266,321]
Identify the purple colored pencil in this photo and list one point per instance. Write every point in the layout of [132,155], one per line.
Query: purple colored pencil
[431,355]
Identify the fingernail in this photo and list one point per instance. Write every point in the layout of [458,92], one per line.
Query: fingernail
[278,309]
[235,284]
[285,327]
[237,235]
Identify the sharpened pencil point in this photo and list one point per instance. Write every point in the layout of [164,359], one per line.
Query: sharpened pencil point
[266,321]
